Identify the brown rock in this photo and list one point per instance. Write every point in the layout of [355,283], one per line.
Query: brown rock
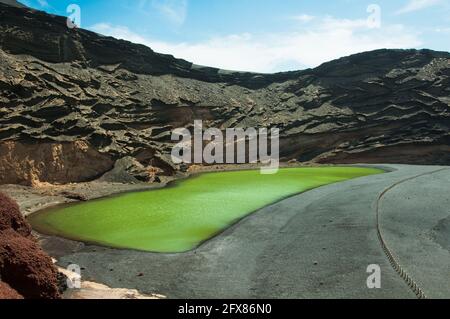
[23,264]
[11,217]
[30,164]
[6,292]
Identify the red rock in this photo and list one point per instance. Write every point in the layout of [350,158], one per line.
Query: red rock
[24,266]
[11,217]
[6,292]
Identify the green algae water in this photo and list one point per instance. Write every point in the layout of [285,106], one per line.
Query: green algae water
[180,217]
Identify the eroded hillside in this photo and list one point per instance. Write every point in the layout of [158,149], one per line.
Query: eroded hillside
[73,102]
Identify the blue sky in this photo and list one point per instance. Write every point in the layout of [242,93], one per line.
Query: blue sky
[265,35]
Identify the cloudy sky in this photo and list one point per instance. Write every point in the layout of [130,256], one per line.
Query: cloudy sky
[265,35]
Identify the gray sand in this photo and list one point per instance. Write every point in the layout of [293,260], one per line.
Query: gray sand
[314,245]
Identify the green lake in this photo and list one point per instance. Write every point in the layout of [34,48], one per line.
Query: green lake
[180,217]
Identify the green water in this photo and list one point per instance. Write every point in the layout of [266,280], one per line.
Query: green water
[180,217]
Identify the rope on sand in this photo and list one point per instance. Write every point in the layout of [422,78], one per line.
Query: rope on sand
[390,255]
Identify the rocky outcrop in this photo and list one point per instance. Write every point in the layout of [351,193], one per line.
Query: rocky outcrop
[13,3]
[61,86]
[130,170]
[30,163]
[6,292]
[25,270]
[92,290]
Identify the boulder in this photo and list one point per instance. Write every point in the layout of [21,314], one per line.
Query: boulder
[24,266]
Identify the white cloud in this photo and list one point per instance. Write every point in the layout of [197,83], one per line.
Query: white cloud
[442,30]
[173,10]
[416,5]
[324,40]
[43,3]
[304,18]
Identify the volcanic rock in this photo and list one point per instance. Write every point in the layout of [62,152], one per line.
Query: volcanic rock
[128,170]
[13,3]
[6,292]
[25,270]
[11,217]
[22,162]
[61,88]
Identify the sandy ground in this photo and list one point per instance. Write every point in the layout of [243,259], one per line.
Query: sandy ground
[92,290]
[415,221]
[314,245]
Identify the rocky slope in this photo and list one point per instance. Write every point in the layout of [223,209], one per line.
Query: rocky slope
[25,270]
[13,3]
[73,102]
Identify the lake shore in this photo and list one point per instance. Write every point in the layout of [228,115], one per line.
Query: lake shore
[317,244]
[46,195]
[32,200]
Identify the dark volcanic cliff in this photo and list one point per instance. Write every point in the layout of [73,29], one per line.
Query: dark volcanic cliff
[73,102]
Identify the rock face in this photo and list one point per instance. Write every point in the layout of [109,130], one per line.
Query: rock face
[60,87]
[129,170]
[13,3]
[25,163]
[6,292]
[25,270]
